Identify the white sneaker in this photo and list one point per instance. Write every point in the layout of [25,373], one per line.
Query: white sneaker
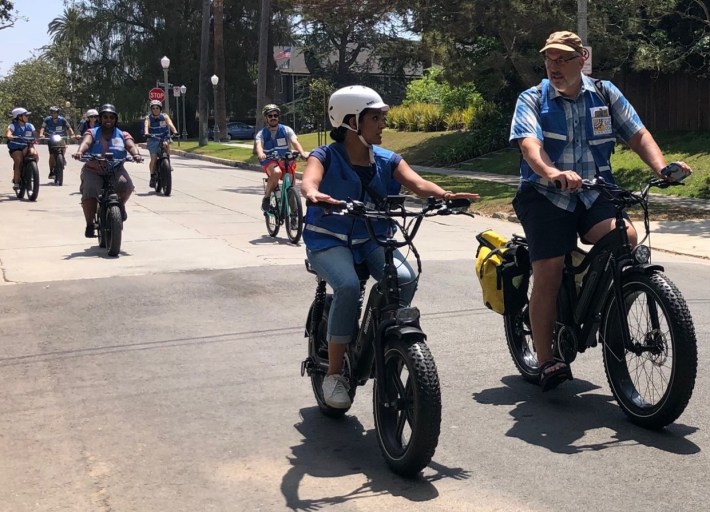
[335,392]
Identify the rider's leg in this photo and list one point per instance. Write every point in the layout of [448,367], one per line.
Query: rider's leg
[17,158]
[336,266]
[547,249]
[52,163]
[89,188]
[273,171]
[543,304]
[124,189]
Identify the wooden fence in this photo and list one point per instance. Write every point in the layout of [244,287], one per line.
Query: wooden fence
[668,102]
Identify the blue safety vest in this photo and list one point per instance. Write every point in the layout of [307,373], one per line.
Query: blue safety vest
[116,145]
[554,129]
[340,181]
[278,143]
[158,125]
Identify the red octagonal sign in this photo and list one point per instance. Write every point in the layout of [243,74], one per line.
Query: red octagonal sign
[156,93]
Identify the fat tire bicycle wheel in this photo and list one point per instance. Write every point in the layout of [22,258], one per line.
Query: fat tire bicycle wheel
[165,177]
[273,214]
[31,179]
[318,352]
[518,335]
[114,228]
[59,169]
[408,426]
[294,216]
[652,384]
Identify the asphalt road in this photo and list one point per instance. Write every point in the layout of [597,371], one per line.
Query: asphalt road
[168,379]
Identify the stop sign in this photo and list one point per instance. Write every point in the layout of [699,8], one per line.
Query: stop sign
[156,93]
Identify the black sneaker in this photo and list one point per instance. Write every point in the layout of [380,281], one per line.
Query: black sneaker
[51,174]
[153,178]
[265,204]
[89,231]
[124,215]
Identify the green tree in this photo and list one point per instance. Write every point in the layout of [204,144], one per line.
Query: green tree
[20,88]
[8,14]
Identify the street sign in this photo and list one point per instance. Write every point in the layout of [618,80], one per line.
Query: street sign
[156,94]
[587,55]
[176,91]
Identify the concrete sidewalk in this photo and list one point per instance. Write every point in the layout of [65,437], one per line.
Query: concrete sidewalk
[686,237]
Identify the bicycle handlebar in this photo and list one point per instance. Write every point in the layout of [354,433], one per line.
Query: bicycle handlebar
[289,155]
[394,207]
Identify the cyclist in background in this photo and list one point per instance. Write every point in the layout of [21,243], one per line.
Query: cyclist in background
[55,124]
[91,120]
[274,136]
[19,127]
[159,124]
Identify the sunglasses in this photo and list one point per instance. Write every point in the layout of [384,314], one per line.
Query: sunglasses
[93,117]
[155,108]
[272,116]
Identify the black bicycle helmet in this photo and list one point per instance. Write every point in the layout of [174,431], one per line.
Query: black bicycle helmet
[108,108]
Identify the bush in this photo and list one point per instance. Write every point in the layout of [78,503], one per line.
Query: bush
[417,117]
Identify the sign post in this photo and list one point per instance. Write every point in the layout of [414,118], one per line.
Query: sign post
[587,55]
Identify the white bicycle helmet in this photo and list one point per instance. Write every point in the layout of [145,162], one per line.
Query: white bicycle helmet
[157,103]
[18,111]
[92,112]
[353,100]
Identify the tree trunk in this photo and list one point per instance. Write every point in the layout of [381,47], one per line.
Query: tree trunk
[264,59]
[221,106]
[203,101]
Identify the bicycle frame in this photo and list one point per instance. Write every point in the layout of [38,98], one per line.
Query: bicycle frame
[579,311]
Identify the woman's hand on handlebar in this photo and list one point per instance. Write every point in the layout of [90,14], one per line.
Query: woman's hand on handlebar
[316,196]
[137,158]
[77,155]
[448,196]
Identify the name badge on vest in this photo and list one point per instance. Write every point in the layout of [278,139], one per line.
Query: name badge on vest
[281,142]
[601,121]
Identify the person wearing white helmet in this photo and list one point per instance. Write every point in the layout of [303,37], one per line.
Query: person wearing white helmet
[278,137]
[55,124]
[354,167]
[20,126]
[158,124]
[91,119]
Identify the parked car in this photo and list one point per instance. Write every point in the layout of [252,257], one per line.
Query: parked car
[236,130]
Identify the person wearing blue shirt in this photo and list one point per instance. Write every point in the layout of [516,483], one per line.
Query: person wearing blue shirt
[566,129]
[54,124]
[157,124]
[91,119]
[354,167]
[102,139]
[19,127]
[273,137]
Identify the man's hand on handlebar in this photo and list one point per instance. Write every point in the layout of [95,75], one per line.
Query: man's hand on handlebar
[567,180]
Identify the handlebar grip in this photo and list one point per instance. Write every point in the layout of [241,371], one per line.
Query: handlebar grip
[458,203]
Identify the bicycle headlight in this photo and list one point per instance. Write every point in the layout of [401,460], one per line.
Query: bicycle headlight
[407,316]
[642,254]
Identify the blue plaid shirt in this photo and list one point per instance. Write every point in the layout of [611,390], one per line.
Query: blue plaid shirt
[576,155]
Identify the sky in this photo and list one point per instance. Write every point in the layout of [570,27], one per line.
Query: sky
[30,34]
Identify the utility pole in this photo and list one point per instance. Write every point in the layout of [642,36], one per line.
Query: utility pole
[264,59]
[582,20]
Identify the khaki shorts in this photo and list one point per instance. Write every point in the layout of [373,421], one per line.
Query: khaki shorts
[91,183]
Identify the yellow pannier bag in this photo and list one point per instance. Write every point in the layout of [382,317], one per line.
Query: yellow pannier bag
[503,270]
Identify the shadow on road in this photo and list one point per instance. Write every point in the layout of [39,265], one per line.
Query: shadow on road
[336,448]
[558,420]
[94,252]
[245,190]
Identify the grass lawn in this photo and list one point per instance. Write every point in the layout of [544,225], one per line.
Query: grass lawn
[417,147]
